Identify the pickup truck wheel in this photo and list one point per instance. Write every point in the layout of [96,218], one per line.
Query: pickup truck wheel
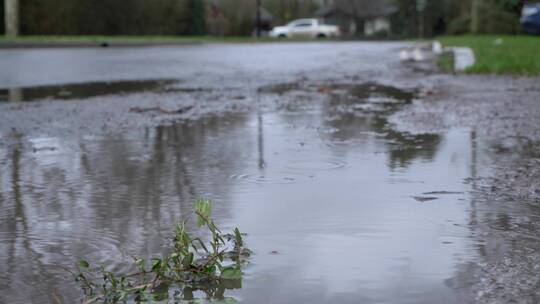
[321,36]
[282,36]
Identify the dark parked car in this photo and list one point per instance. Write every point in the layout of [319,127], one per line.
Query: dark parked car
[530,18]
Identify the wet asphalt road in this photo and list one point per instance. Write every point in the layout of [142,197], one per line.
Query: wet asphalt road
[199,65]
[214,78]
[358,178]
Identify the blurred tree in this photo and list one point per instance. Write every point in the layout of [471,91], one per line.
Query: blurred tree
[457,17]
[2,21]
[112,17]
[142,17]
[404,22]
[196,17]
[284,11]
[11,17]
[362,10]
[236,17]
[514,6]
[495,16]
[240,15]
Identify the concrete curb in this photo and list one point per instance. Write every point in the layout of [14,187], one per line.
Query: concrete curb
[463,56]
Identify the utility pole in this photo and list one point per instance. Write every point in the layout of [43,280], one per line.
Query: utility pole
[258,19]
[11,17]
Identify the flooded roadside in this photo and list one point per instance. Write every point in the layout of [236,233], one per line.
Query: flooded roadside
[326,189]
[503,116]
[350,189]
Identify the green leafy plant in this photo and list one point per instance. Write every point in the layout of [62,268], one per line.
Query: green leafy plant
[191,265]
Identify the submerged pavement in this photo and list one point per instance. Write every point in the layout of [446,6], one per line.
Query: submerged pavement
[357,178]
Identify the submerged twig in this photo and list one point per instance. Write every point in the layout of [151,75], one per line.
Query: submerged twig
[161,110]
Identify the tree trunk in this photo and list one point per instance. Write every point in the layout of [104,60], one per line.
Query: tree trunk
[11,11]
[258,19]
[474,16]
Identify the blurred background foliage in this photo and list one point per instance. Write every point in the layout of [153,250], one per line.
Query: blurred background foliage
[237,17]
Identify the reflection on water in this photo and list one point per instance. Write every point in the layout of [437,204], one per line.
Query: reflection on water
[214,292]
[325,194]
[365,111]
[84,90]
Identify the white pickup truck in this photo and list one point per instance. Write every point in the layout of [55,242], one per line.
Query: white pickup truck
[305,28]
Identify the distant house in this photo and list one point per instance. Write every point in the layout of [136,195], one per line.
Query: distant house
[374,17]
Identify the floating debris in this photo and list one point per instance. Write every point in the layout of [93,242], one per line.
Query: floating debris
[160,110]
[423,199]
[443,192]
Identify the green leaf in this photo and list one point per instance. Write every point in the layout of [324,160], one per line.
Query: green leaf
[219,238]
[140,264]
[156,264]
[200,243]
[229,300]
[231,273]
[188,260]
[181,237]
[203,209]
[123,295]
[238,236]
[209,269]
[83,264]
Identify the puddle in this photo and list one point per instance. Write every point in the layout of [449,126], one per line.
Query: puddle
[423,199]
[280,88]
[86,90]
[330,216]
[377,93]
